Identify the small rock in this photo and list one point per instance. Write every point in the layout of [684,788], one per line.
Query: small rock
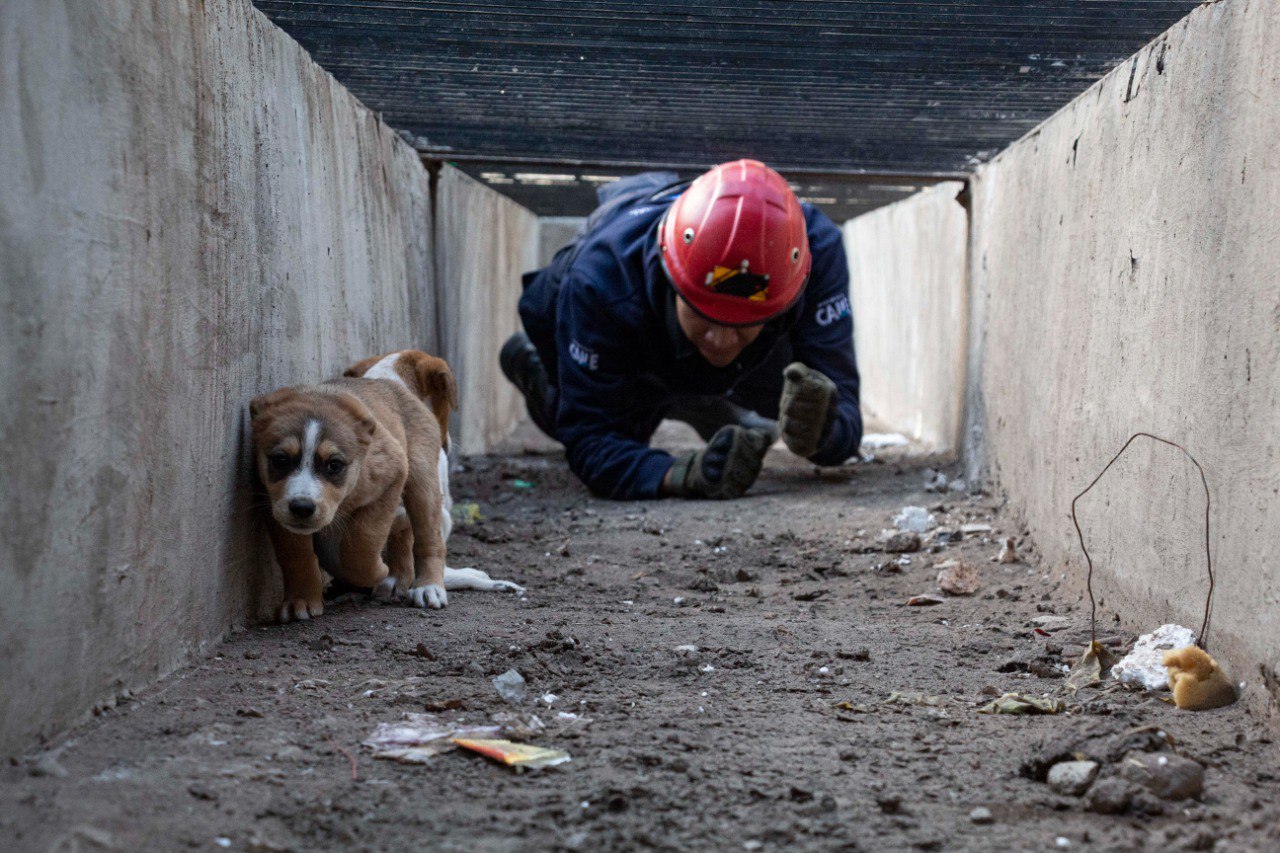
[422,651]
[1050,623]
[322,644]
[958,578]
[902,542]
[958,485]
[982,816]
[924,600]
[1072,778]
[1169,776]
[1007,552]
[746,576]
[917,519]
[511,687]
[859,654]
[564,550]
[934,481]
[252,654]
[1110,796]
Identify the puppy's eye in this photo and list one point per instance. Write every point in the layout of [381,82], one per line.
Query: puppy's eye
[334,467]
[280,461]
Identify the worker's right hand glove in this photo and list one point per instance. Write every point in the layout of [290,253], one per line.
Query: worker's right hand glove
[725,468]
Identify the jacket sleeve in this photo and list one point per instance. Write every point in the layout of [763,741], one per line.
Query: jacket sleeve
[823,338]
[602,419]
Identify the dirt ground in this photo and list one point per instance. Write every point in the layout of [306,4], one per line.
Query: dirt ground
[730,662]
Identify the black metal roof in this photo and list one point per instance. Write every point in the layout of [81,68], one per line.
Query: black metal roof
[906,88]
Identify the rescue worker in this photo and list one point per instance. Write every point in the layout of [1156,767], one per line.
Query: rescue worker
[723,303]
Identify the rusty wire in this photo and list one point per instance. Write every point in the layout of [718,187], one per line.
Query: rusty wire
[1202,639]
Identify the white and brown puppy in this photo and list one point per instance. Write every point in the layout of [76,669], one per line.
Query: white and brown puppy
[430,379]
[337,460]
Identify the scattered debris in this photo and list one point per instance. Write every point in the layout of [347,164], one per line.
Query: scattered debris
[511,687]
[976,529]
[927,600]
[902,542]
[958,485]
[912,698]
[46,764]
[1144,666]
[934,481]
[1092,667]
[522,484]
[917,519]
[958,578]
[1008,554]
[1168,776]
[522,756]
[1016,703]
[445,705]
[879,440]
[1198,683]
[467,514]
[943,536]
[1072,778]
[420,737]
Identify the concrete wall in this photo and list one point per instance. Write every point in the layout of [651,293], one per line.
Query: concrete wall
[486,242]
[907,278]
[191,212]
[1125,259]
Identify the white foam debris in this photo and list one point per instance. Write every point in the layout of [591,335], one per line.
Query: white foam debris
[917,519]
[876,440]
[1144,666]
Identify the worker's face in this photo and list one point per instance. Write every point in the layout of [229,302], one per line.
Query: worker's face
[719,345]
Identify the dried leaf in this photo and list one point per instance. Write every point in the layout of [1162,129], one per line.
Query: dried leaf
[1092,667]
[1016,703]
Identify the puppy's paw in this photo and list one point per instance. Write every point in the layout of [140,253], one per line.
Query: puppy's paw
[429,595]
[388,589]
[298,610]
[469,578]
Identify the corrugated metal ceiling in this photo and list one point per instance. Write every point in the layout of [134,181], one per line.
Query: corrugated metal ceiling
[826,87]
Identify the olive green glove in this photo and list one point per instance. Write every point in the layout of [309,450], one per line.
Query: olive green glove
[725,468]
[807,410]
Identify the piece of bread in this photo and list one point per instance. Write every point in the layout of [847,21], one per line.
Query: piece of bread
[1198,683]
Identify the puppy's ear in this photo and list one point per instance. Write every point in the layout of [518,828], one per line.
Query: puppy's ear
[259,406]
[435,382]
[365,425]
[361,367]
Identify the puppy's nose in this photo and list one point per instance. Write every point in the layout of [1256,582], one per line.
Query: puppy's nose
[302,507]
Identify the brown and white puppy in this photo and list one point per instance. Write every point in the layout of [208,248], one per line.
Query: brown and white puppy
[337,459]
[430,379]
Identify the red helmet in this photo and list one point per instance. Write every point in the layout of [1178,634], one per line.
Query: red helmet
[735,246]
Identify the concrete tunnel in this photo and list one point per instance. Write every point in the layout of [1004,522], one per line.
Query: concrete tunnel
[1059,223]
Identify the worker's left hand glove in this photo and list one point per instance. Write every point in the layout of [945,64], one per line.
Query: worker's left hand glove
[807,410]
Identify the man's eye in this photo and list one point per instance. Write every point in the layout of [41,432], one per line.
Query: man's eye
[334,466]
[280,461]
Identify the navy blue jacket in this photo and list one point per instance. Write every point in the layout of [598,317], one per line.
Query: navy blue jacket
[602,316]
